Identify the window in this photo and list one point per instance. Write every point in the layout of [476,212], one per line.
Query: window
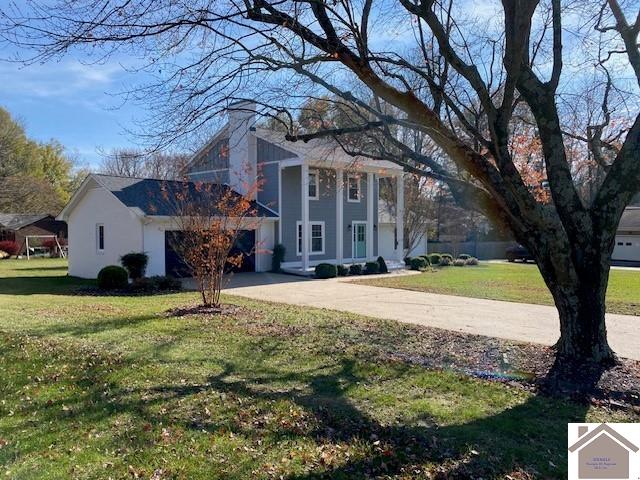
[314,188]
[316,238]
[353,188]
[100,237]
[7,235]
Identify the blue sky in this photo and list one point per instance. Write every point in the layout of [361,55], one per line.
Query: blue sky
[76,104]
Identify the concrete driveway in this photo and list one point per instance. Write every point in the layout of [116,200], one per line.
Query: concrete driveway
[512,321]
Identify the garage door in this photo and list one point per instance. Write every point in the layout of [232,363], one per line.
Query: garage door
[174,265]
[627,248]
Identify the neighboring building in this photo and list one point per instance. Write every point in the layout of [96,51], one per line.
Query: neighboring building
[627,247]
[16,227]
[320,203]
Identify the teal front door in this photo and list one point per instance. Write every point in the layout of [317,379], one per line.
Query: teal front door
[360,240]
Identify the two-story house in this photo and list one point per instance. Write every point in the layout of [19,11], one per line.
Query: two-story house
[313,198]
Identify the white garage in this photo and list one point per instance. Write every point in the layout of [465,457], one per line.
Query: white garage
[110,216]
[627,247]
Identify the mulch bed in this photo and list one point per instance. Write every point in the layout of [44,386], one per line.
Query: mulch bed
[199,309]
[522,365]
[123,292]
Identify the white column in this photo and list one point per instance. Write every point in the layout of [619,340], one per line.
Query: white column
[400,216]
[305,216]
[370,213]
[339,216]
[280,204]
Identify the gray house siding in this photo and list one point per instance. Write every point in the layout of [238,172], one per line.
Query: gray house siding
[324,210]
[291,211]
[268,192]
[268,152]
[216,158]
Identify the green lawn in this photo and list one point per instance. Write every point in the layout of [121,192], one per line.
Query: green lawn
[513,283]
[110,387]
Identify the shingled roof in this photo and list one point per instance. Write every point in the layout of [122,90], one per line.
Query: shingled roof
[15,221]
[155,197]
[630,221]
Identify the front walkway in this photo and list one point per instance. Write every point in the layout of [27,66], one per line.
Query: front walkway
[513,321]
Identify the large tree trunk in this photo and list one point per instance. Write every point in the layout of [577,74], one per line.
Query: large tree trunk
[583,334]
[582,351]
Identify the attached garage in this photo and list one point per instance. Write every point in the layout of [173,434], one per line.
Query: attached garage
[627,247]
[175,266]
[110,216]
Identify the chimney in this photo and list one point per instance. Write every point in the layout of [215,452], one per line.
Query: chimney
[582,429]
[242,147]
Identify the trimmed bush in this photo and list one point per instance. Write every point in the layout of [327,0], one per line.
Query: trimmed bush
[434,258]
[342,270]
[382,265]
[10,247]
[464,256]
[136,264]
[371,268]
[277,258]
[355,269]
[419,263]
[407,261]
[165,282]
[112,277]
[445,261]
[158,283]
[326,270]
[472,261]
[447,255]
[459,262]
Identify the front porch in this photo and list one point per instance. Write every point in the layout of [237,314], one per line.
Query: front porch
[329,213]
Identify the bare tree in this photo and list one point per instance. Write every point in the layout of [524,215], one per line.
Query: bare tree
[450,74]
[140,164]
[419,206]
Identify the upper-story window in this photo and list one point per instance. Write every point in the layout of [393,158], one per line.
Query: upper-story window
[314,185]
[353,188]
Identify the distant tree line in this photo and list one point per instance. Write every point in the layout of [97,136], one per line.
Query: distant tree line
[35,177]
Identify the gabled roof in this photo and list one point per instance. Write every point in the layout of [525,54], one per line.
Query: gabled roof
[320,149]
[154,197]
[15,221]
[630,220]
[600,430]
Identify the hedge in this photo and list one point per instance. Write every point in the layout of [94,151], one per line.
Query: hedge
[326,270]
[112,277]
[382,265]
[371,268]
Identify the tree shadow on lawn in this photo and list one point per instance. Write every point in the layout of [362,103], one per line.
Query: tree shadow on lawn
[47,285]
[525,437]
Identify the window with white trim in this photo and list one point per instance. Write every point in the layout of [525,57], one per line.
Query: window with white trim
[353,188]
[100,237]
[316,238]
[314,185]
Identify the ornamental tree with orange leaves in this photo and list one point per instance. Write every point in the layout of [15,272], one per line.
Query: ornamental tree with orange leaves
[210,218]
